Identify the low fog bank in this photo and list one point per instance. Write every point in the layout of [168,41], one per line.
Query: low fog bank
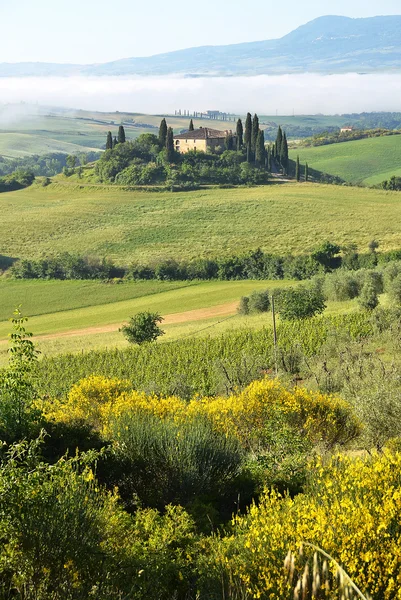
[304,94]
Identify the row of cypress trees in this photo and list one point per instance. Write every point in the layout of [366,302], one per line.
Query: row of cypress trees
[120,139]
[253,139]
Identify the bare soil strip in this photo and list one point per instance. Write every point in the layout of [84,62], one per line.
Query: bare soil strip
[200,314]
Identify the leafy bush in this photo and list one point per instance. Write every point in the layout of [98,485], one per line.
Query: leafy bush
[259,302]
[340,286]
[143,328]
[65,538]
[299,303]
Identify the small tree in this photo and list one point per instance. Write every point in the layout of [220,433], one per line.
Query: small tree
[71,161]
[368,298]
[300,303]
[17,385]
[306,172]
[325,254]
[109,141]
[191,125]
[121,135]
[143,327]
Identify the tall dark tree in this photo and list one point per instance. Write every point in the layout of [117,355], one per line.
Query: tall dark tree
[248,130]
[306,172]
[191,125]
[284,154]
[121,135]
[163,133]
[260,150]
[170,145]
[229,142]
[109,141]
[297,170]
[115,142]
[279,141]
[255,133]
[240,134]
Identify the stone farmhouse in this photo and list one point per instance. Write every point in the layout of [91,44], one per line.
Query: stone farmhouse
[202,139]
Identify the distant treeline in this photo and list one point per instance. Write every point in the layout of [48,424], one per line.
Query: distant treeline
[252,265]
[45,165]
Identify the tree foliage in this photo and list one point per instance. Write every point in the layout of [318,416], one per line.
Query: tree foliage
[143,327]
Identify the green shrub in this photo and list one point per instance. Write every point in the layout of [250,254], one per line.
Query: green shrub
[143,328]
[164,462]
[299,303]
[259,302]
[341,285]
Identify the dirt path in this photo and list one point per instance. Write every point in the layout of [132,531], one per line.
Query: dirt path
[222,310]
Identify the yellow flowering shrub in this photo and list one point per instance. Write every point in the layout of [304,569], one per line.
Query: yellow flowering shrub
[352,510]
[324,419]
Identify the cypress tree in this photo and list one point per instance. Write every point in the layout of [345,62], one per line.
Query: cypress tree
[121,135]
[255,133]
[163,133]
[306,172]
[297,170]
[240,134]
[115,142]
[229,142]
[279,141]
[284,154]
[269,159]
[109,141]
[170,145]
[260,150]
[191,125]
[248,130]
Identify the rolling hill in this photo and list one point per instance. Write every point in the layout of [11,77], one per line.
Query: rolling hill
[331,44]
[368,162]
[137,225]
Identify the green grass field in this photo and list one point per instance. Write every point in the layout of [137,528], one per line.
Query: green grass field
[368,162]
[72,314]
[139,225]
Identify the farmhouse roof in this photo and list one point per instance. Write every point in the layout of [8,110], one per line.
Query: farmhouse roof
[201,134]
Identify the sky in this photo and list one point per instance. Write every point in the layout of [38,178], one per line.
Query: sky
[96,31]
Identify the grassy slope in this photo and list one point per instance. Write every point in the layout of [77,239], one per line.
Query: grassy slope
[368,161]
[142,225]
[42,297]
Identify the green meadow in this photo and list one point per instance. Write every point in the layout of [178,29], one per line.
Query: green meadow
[72,307]
[368,162]
[138,225]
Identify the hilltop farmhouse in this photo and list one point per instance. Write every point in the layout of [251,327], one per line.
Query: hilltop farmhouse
[202,139]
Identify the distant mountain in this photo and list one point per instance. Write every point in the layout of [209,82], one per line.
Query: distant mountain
[326,45]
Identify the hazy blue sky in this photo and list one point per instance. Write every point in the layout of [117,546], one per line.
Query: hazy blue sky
[87,31]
